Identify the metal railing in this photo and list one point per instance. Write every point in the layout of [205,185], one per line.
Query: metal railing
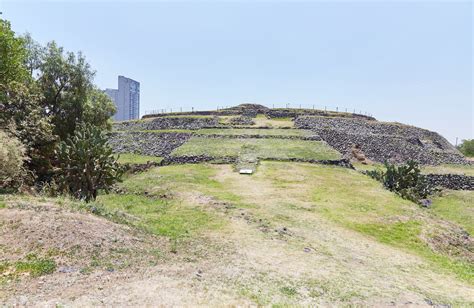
[327,108]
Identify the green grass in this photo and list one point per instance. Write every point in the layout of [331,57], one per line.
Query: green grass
[152,200]
[449,168]
[31,264]
[457,207]
[161,217]
[256,131]
[406,235]
[263,148]
[440,169]
[2,203]
[188,116]
[361,167]
[128,158]
[156,131]
[166,179]
[262,121]
[288,291]
[357,202]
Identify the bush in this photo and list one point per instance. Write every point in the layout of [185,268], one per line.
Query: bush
[86,164]
[12,157]
[467,147]
[406,181]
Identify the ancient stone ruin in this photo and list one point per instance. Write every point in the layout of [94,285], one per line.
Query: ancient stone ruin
[352,137]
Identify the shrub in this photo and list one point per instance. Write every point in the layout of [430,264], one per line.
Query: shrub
[467,147]
[12,157]
[405,180]
[86,164]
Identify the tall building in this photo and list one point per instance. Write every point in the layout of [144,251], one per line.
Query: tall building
[126,99]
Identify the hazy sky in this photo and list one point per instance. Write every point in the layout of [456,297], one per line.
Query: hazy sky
[402,61]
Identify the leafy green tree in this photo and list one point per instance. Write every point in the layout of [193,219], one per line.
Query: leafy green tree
[44,109]
[12,57]
[20,110]
[34,54]
[99,109]
[22,115]
[69,95]
[467,147]
[86,164]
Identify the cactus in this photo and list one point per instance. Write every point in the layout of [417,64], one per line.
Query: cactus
[86,164]
[405,180]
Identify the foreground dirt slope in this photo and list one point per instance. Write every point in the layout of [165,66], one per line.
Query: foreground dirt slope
[280,243]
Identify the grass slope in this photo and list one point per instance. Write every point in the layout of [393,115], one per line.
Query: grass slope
[129,158]
[263,148]
[291,234]
[449,168]
[263,121]
[440,169]
[256,131]
[343,196]
[457,207]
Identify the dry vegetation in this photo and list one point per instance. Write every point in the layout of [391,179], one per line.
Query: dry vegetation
[292,233]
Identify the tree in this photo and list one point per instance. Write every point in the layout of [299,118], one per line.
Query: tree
[23,117]
[69,95]
[12,55]
[86,163]
[44,109]
[99,109]
[467,147]
[12,156]
[20,111]
[34,54]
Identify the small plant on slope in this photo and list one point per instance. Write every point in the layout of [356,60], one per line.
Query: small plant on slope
[405,180]
[467,147]
[86,164]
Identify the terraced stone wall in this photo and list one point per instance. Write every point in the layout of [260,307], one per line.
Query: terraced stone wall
[147,143]
[452,181]
[168,123]
[294,113]
[383,141]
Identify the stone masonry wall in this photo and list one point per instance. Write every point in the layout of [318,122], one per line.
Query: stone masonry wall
[168,123]
[452,181]
[383,141]
[294,113]
[153,144]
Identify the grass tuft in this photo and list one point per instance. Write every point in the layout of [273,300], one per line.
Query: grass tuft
[31,264]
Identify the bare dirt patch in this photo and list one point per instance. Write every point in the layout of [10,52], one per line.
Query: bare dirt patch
[80,246]
[68,236]
[450,239]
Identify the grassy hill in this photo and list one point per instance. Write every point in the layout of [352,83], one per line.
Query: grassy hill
[295,232]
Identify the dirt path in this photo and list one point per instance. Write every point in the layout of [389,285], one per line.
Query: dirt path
[273,251]
[313,251]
